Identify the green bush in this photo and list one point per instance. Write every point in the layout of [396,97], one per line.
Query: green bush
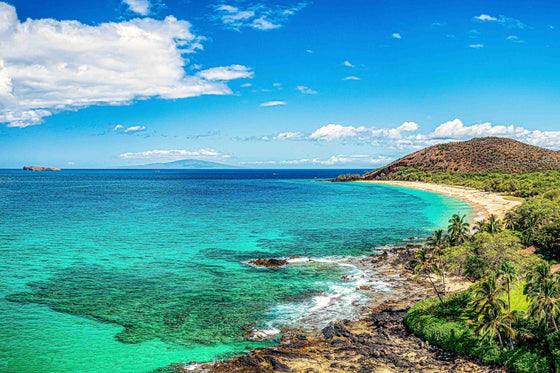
[446,329]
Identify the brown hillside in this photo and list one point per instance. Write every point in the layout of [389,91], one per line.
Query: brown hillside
[490,154]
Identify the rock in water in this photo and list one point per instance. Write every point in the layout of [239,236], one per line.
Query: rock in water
[34,168]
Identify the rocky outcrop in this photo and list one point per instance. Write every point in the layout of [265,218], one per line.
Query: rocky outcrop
[378,342]
[269,263]
[34,168]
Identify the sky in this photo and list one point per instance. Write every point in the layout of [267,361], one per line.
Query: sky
[271,84]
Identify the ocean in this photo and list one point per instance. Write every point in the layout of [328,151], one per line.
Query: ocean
[129,271]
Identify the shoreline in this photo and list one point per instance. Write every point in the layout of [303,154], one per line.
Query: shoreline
[376,342]
[357,342]
[483,203]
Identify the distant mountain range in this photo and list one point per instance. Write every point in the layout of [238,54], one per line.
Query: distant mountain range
[489,154]
[183,164]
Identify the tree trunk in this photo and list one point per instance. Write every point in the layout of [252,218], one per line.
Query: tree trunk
[509,310]
[443,280]
[554,322]
[500,339]
[437,292]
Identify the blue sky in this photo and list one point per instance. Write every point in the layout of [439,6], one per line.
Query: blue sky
[271,84]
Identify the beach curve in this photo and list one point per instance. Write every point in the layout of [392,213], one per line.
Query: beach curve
[484,203]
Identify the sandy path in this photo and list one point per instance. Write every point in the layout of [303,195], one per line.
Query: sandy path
[484,203]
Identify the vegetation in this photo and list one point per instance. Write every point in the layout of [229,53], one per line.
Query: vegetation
[348,177]
[510,316]
[516,184]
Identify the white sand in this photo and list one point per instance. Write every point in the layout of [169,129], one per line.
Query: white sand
[484,203]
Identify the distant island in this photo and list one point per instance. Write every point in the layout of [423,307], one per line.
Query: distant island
[34,168]
[183,164]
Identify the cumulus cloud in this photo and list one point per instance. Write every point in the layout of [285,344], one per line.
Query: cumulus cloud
[332,132]
[273,103]
[306,90]
[351,78]
[337,132]
[396,35]
[455,130]
[340,159]
[347,64]
[48,66]
[508,22]
[175,153]
[141,7]
[258,16]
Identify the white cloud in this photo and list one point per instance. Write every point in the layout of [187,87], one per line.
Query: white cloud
[306,90]
[122,129]
[176,153]
[246,85]
[408,127]
[502,20]
[455,130]
[347,63]
[135,129]
[225,73]
[332,132]
[476,46]
[396,35]
[340,159]
[310,51]
[141,7]
[351,78]
[283,136]
[48,66]
[273,103]
[257,16]
[515,39]
[485,17]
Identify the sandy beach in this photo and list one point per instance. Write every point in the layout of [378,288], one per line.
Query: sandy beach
[484,203]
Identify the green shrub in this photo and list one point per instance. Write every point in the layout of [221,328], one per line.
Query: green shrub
[447,329]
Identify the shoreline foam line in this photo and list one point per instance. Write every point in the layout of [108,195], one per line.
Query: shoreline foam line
[484,203]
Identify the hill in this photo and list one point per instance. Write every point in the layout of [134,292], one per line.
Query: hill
[183,164]
[489,154]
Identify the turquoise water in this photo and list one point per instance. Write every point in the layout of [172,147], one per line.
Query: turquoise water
[128,271]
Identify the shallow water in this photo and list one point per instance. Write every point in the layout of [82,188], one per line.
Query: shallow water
[128,271]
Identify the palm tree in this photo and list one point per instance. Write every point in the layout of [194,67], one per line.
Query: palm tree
[529,227]
[479,226]
[493,225]
[425,266]
[458,229]
[495,322]
[436,243]
[509,221]
[544,305]
[508,275]
[487,295]
[437,240]
[537,278]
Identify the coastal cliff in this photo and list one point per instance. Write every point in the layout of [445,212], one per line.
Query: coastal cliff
[34,168]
